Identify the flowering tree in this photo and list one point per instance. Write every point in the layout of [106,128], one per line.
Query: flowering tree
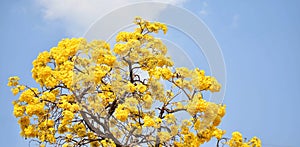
[91,95]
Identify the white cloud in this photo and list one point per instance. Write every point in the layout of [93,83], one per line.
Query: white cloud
[78,15]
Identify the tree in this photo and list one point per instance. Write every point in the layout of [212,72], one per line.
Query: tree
[91,95]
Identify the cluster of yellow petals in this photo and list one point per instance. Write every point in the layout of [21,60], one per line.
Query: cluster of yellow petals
[60,72]
[101,96]
[14,82]
[237,140]
[44,113]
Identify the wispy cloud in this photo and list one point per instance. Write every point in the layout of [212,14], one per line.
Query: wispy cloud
[77,15]
[235,20]
[203,11]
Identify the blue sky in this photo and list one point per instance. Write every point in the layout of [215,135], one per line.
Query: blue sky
[260,41]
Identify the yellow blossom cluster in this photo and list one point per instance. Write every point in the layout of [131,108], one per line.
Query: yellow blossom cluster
[56,67]
[50,111]
[237,141]
[14,82]
[93,95]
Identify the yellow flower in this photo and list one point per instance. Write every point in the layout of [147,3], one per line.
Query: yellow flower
[255,142]
[130,87]
[236,139]
[13,81]
[19,110]
[80,129]
[67,117]
[24,122]
[69,137]
[178,82]
[105,143]
[218,133]
[158,122]
[62,129]
[65,145]
[217,121]
[49,96]
[178,144]
[21,87]
[30,131]
[170,118]
[15,91]
[35,109]
[141,88]
[166,73]
[174,130]
[164,136]
[148,121]
[28,95]
[222,110]
[50,123]
[148,101]
[74,108]
[122,113]
[197,124]
[50,138]
[120,49]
